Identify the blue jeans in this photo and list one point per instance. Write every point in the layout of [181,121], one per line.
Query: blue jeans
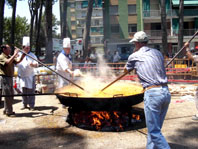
[156,102]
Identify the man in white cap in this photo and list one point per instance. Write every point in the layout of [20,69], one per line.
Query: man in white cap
[149,66]
[64,64]
[26,76]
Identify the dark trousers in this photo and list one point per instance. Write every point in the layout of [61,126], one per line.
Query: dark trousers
[7,89]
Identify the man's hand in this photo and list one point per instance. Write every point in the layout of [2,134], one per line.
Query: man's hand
[125,70]
[186,44]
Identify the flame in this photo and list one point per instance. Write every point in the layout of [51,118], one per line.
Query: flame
[101,119]
[136,116]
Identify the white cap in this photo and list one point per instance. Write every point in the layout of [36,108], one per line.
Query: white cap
[26,41]
[139,37]
[66,43]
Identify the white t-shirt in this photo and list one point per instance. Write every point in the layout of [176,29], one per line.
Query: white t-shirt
[63,63]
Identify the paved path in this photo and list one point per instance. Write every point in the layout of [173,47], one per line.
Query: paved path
[46,128]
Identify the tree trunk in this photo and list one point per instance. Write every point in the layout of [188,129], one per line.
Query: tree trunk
[181,26]
[86,36]
[63,18]
[49,44]
[13,25]
[38,48]
[30,3]
[164,27]
[2,4]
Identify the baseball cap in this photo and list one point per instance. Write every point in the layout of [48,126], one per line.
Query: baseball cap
[139,37]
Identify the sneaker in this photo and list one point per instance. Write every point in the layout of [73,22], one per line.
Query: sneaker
[195,118]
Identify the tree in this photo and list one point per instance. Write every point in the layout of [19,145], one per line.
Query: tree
[164,26]
[2,4]
[63,17]
[33,7]
[48,27]
[21,26]
[13,4]
[86,34]
[181,26]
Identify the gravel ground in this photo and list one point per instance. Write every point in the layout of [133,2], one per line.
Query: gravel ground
[46,128]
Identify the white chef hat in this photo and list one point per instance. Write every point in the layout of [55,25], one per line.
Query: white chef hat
[66,43]
[26,41]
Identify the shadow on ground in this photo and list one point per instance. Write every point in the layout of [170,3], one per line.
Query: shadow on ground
[42,138]
[185,138]
[15,101]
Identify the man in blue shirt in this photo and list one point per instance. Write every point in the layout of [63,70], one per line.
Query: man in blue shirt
[149,66]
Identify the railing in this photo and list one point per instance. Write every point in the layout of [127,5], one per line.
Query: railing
[169,13]
[157,33]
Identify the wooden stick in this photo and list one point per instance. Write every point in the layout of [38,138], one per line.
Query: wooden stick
[181,49]
[115,80]
[165,66]
[51,69]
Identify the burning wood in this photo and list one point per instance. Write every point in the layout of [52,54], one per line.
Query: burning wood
[106,120]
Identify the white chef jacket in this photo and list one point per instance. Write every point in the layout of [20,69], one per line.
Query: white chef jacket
[63,63]
[25,71]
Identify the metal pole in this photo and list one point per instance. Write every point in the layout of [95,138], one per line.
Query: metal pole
[37,94]
[52,70]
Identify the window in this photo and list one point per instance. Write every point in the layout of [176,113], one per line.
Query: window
[115,28]
[132,28]
[72,5]
[73,23]
[155,26]
[131,9]
[113,10]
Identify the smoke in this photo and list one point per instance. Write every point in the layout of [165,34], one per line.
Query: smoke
[99,77]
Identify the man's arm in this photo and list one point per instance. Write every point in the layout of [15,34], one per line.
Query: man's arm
[11,59]
[188,53]
[21,58]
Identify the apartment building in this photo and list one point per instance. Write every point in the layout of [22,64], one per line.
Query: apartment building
[152,22]
[121,22]
[76,15]
[114,23]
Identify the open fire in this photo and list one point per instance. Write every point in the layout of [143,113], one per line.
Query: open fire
[107,120]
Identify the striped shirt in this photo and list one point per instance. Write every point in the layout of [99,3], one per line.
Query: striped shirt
[149,66]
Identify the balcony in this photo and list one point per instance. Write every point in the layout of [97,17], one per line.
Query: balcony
[170,13]
[157,33]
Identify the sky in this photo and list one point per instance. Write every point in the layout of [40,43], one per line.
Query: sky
[23,11]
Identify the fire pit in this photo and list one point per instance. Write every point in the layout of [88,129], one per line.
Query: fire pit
[128,119]
[110,110]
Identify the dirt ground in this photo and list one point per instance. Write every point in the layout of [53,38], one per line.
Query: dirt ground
[46,128]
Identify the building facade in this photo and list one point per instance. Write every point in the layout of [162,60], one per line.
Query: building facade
[76,18]
[152,22]
[114,23]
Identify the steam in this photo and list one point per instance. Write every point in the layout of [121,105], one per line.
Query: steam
[95,81]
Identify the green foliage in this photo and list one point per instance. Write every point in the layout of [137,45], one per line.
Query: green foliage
[21,29]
